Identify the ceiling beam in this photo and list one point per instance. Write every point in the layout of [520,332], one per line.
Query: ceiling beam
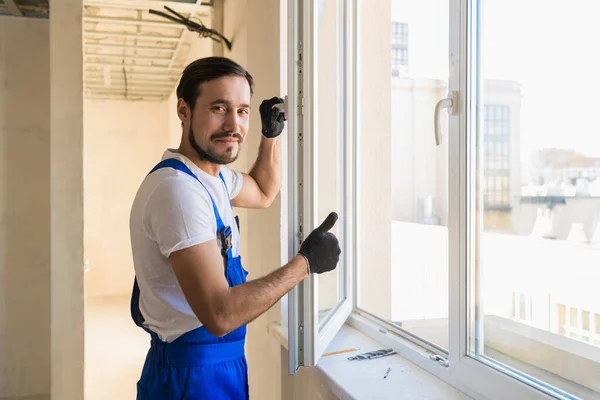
[130,83]
[128,47]
[13,8]
[131,88]
[131,35]
[127,57]
[121,95]
[133,21]
[203,9]
[91,72]
[142,76]
[136,66]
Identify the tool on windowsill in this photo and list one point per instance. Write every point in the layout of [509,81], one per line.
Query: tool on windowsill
[387,373]
[373,355]
[332,353]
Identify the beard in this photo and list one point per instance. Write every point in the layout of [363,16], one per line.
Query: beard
[209,154]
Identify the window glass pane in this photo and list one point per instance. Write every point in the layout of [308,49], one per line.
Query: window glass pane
[542,238]
[403,266]
[330,144]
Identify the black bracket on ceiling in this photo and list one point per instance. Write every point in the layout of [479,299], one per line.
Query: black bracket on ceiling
[193,26]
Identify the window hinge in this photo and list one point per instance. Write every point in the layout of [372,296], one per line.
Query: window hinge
[301,105]
[440,360]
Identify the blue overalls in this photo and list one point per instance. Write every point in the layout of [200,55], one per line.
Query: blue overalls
[196,365]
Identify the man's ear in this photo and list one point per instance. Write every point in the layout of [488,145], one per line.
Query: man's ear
[183,110]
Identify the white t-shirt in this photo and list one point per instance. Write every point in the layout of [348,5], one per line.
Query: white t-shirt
[172,211]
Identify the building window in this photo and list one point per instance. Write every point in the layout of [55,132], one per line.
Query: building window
[399,47]
[497,157]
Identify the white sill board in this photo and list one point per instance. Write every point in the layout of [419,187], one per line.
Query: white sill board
[364,379]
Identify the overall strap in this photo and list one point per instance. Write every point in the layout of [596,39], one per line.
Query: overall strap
[226,188]
[237,219]
[180,166]
[134,307]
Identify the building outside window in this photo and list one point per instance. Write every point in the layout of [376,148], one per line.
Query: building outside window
[496,142]
[399,47]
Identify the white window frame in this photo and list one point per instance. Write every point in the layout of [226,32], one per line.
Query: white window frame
[478,378]
[307,338]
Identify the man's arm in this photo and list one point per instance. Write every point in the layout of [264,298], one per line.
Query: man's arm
[220,308]
[261,185]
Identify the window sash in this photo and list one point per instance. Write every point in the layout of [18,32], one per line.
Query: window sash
[307,337]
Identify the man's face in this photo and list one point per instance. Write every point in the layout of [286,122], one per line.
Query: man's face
[218,124]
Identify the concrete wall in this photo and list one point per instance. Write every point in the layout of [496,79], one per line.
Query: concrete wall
[123,141]
[66,193]
[24,208]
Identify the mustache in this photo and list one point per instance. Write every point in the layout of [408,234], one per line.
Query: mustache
[222,135]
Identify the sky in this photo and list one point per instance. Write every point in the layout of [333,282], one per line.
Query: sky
[553,49]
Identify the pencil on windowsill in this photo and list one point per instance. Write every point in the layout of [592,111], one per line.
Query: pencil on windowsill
[332,353]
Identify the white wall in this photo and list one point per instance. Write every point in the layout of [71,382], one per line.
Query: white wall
[24,208]
[66,205]
[123,141]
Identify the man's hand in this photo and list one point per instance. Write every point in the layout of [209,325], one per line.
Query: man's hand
[321,248]
[272,118]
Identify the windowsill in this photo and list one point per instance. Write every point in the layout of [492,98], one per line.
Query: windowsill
[364,379]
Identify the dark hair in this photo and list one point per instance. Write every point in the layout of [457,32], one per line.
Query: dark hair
[205,70]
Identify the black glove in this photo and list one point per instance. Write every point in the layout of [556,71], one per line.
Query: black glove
[272,119]
[321,248]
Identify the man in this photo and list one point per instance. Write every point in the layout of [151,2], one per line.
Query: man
[190,292]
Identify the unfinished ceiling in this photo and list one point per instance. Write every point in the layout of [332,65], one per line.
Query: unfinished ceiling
[129,53]
[24,8]
[132,54]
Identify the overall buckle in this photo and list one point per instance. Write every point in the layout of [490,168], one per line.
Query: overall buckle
[226,240]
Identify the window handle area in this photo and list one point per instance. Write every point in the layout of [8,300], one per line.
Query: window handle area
[440,360]
[450,102]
